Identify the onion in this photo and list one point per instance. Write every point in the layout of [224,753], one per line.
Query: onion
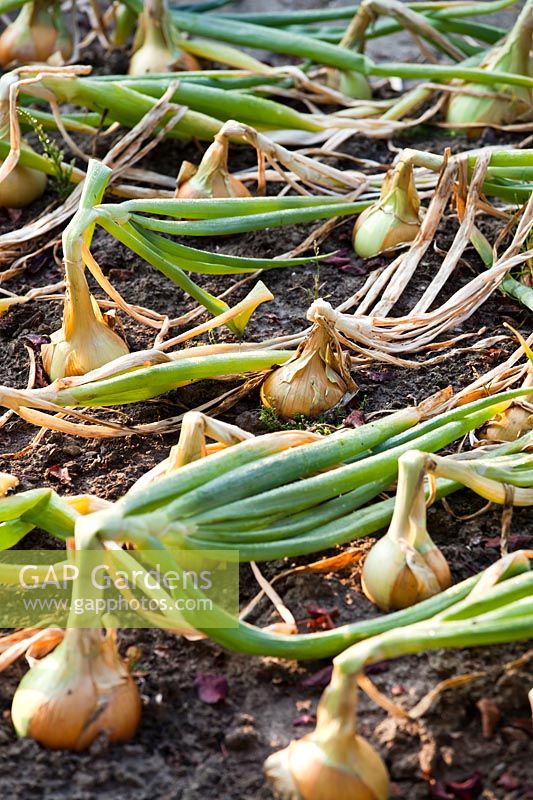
[516,420]
[397,575]
[333,762]
[499,104]
[394,220]
[349,83]
[153,48]
[22,187]
[211,178]
[405,566]
[317,378]
[85,341]
[79,691]
[35,35]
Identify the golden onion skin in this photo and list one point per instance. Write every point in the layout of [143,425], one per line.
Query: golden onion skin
[211,178]
[316,378]
[396,575]
[76,693]
[308,769]
[33,37]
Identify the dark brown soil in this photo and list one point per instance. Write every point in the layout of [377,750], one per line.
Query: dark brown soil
[188,750]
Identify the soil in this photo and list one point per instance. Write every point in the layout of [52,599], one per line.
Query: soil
[186,749]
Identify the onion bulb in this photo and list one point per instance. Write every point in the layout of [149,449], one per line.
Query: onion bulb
[306,770]
[85,341]
[517,419]
[349,83]
[392,221]
[498,104]
[35,35]
[317,377]
[405,566]
[22,187]
[79,691]
[211,178]
[153,48]
[7,482]
[333,762]
[510,425]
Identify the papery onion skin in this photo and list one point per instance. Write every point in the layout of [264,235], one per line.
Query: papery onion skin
[396,576]
[211,179]
[79,691]
[310,399]
[221,186]
[309,770]
[63,358]
[317,378]
[510,425]
[85,341]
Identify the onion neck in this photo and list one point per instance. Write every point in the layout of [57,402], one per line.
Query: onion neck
[79,311]
[400,191]
[336,712]
[215,160]
[38,13]
[410,506]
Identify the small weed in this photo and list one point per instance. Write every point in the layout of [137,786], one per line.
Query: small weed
[62,174]
[323,424]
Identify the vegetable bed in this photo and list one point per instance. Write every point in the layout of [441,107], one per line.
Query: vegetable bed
[210,716]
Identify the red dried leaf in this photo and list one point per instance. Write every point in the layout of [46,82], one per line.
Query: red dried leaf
[509,782]
[304,719]
[337,260]
[355,419]
[377,668]
[323,623]
[14,214]
[468,789]
[438,791]
[319,679]
[523,724]
[490,716]
[378,376]
[320,618]
[35,341]
[319,611]
[211,689]
[518,541]
[354,269]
